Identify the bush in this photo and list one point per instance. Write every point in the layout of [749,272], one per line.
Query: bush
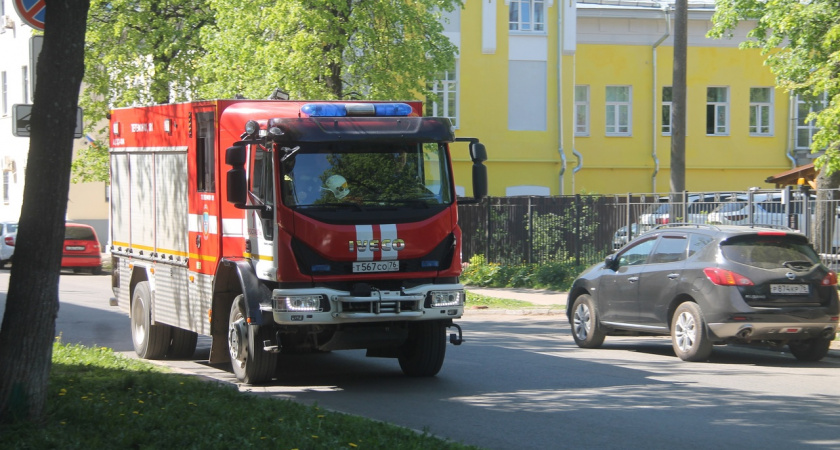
[555,275]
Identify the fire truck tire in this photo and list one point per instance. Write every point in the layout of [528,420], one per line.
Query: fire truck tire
[423,352]
[150,341]
[251,364]
[183,344]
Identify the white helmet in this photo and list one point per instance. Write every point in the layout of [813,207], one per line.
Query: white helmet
[338,186]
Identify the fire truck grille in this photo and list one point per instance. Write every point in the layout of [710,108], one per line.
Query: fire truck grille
[380,307]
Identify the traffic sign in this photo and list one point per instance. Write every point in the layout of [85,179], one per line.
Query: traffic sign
[22,116]
[32,12]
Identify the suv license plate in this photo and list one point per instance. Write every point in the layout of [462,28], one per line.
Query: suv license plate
[376,266]
[789,289]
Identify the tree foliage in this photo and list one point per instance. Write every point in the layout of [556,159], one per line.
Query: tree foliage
[325,49]
[142,52]
[91,163]
[802,43]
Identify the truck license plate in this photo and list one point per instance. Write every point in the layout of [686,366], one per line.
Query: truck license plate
[376,266]
[789,289]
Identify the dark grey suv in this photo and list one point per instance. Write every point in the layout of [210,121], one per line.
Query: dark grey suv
[706,285]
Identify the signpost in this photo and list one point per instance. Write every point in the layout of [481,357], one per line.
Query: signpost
[32,12]
[22,115]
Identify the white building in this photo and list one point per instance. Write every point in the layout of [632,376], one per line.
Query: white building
[87,202]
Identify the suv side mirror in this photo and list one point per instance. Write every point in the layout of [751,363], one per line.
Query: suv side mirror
[610,262]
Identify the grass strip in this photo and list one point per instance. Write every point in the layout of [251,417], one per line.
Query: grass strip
[99,399]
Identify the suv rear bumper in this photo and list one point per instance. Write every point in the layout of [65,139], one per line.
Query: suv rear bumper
[763,330]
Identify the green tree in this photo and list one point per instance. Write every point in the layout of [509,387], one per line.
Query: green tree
[91,163]
[801,41]
[326,49]
[28,330]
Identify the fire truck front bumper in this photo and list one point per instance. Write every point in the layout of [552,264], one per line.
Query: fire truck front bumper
[330,306]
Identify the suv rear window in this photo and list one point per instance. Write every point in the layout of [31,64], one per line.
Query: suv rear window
[78,234]
[768,252]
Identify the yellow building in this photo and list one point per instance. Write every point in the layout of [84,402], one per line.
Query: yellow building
[611,62]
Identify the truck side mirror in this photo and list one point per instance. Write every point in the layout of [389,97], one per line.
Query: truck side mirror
[479,180]
[237,184]
[478,154]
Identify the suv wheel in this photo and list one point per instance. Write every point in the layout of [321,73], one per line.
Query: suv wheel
[584,322]
[688,333]
[810,349]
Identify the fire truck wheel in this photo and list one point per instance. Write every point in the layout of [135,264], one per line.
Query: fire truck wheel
[183,344]
[423,352]
[150,341]
[251,364]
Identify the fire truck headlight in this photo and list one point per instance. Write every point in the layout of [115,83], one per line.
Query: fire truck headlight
[298,303]
[442,299]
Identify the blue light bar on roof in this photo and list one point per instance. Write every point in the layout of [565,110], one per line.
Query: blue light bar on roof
[356,109]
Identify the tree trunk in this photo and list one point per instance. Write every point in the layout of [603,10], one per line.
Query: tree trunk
[825,215]
[28,328]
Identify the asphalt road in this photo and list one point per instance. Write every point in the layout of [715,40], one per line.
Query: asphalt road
[519,382]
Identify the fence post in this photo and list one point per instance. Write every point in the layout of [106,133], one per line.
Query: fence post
[530,243]
[487,235]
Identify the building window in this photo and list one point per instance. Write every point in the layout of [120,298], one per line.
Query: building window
[24,74]
[667,112]
[717,111]
[445,100]
[527,15]
[581,110]
[4,101]
[805,130]
[761,111]
[618,111]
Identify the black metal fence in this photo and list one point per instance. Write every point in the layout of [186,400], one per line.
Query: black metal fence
[585,228]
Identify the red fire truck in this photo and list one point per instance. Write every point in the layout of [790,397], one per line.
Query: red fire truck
[288,226]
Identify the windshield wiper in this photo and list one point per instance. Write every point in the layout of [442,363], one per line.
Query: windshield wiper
[798,265]
[354,206]
[407,201]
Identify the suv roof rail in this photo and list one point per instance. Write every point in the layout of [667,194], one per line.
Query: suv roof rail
[686,224]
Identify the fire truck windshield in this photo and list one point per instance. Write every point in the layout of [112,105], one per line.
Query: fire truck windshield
[366,174]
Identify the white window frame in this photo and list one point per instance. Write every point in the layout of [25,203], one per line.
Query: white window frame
[616,109]
[6,183]
[667,111]
[24,74]
[761,111]
[582,110]
[535,20]
[720,124]
[446,89]
[808,128]
[4,94]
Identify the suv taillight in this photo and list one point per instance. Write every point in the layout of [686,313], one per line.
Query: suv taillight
[723,277]
[10,241]
[830,279]
[662,220]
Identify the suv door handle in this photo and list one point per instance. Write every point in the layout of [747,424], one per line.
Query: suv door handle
[633,279]
[673,276]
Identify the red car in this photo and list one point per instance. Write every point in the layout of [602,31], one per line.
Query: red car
[81,249]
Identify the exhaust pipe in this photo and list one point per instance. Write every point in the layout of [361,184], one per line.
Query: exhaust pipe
[828,333]
[744,333]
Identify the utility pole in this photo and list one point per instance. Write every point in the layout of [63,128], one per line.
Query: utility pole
[678,105]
